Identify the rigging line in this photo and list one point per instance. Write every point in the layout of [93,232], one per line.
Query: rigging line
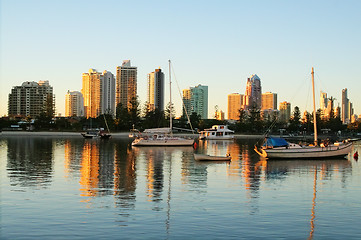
[183,106]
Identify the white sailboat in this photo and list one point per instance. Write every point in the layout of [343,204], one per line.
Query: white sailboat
[279,148]
[162,136]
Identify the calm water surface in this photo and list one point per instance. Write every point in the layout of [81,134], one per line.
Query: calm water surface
[73,188]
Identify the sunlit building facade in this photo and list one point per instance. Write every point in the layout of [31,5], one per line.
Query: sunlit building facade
[74,104]
[235,102]
[155,96]
[126,84]
[253,95]
[91,91]
[269,101]
[31,99]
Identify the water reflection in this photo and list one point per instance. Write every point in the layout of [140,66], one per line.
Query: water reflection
[159,186]
[29,161]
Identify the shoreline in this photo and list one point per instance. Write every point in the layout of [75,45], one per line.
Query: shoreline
[116,135]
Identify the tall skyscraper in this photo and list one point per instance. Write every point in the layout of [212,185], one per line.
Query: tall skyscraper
[92,93]
[196,100]
[74,104]
[253,95]
[31,99]
[269,101]
[235,102]
[107,93]
[126,84]
[285,111]
[345,107]
[156,90]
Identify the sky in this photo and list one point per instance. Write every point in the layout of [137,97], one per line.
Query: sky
[214,43]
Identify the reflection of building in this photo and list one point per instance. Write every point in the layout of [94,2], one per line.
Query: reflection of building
[31,99]
[89,172]
[235,102]
[126,84]
[156,90]
[74,104]
[285,111]
[30,161]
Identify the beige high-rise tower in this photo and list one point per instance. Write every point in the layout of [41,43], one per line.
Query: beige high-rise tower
[74,104]
[92,93]
[235,102]
[126,84]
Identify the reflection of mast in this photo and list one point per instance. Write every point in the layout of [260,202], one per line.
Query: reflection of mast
[313,215]
[167,221]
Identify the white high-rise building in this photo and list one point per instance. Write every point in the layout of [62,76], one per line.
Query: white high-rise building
[107,93]
[74,104]
[253,95]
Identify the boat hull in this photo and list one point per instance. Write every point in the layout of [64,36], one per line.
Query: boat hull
[307,153]
[163,142]
[203,157]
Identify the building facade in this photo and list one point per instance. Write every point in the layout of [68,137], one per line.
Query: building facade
[126,84]
[92,93]
[74,104]
[31,99]
[155,96]
[195,99]
[269,101]
[235,102]
[107,85]
[285,111]
[253,95]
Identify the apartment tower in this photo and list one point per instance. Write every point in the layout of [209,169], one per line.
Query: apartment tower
[126,84]
[235,102]
[31,99]
[155,96]
[74,104]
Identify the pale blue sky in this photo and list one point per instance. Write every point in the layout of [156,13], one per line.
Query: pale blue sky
[213,43]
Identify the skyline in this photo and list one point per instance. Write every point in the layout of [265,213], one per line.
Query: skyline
[209,43]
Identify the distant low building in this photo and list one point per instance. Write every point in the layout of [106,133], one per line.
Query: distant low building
[31,99]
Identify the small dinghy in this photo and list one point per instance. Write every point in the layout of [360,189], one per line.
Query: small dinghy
[204,157]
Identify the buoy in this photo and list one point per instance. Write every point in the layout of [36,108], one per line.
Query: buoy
[355,155]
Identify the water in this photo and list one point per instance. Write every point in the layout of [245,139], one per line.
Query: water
[73,188]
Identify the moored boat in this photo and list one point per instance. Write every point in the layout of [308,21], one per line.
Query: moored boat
[217,132]
[279,148]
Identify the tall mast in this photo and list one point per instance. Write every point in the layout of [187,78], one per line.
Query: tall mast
[314,109]
[170,100]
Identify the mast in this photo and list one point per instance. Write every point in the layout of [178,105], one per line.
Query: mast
[314,109]
[170,100]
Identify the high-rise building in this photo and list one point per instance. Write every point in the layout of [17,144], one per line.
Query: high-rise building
[31,99]
[156,90]
[285,111]
[219,115]
[107,85]
[269,101]
[98,93]
[235,102]
[345,107]
[92,93]
[253,95]
[126,84]
[187,95]
[196,100]
[74,104]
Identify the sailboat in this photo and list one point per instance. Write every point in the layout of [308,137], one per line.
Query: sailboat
[162,136]
[279,148]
